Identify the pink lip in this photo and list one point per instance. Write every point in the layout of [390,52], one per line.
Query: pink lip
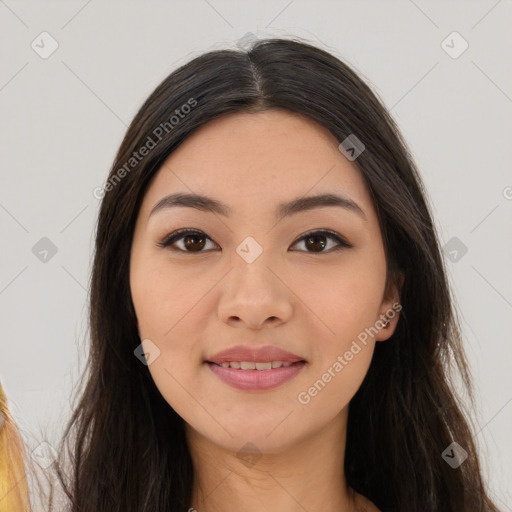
[256,380]
[261,354]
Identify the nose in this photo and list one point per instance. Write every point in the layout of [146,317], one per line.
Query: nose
[255,296]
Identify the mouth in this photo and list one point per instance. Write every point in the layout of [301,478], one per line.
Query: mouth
[256,375]
[256,365]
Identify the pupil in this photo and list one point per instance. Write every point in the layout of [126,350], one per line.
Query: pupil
[193,237]
[316,237]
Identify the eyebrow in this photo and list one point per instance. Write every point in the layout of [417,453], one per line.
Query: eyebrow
[301,204]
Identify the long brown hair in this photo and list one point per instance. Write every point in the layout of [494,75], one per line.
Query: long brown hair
[128,446]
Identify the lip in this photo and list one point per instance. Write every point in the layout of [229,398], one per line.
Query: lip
[262,354]
[256,380]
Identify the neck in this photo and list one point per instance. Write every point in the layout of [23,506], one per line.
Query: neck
[307,474]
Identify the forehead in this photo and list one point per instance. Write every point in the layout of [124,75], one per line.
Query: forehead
[256,160]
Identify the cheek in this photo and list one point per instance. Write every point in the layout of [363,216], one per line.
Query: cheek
[170,311]
[343,300]
[346,306]
[166,298]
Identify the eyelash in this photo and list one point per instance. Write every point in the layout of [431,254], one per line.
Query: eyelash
[181,233]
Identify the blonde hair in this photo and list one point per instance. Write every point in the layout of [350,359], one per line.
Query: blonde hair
[14,493]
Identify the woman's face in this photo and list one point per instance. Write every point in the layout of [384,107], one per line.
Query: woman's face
[250,278]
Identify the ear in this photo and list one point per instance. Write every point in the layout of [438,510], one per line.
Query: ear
[389,309]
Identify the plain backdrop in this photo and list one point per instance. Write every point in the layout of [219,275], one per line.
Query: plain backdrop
[443,69]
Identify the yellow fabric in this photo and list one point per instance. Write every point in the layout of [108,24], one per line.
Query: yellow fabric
[13,482]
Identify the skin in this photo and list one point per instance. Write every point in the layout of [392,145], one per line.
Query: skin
[192,305]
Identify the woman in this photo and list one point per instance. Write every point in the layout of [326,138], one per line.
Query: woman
[271,323]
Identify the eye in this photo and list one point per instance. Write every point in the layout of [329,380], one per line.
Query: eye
[317,240]
[195,241]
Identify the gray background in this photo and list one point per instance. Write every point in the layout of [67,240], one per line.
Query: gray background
[63,118]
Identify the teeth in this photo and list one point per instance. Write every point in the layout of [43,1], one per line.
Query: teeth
[264,366]
[252,365]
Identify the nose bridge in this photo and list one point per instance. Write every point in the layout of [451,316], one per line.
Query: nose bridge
[251,263]
[255,291]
